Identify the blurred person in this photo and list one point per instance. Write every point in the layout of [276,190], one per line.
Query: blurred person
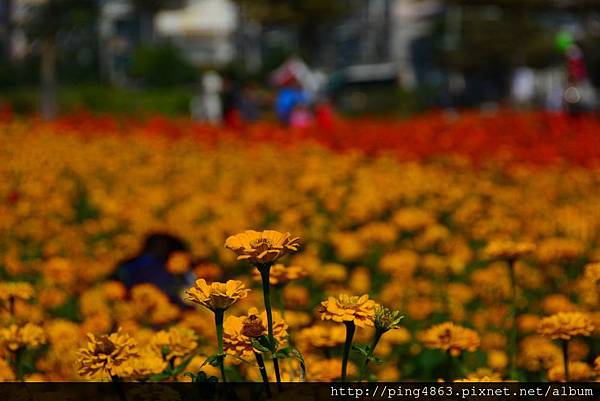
[301,116]
[207,106]
[288,97]
[579,94]
[324,114]
[249,103]
[523,87]
[231,104]
[150,266]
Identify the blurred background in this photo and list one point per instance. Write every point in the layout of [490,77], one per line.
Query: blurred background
[222,60]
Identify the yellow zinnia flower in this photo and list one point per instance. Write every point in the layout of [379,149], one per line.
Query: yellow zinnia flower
[14,290]
[148,363]
[508,250]
[174,343]
[578,371]
[346,308]
[216,295]
[107,355]
[451,338]
[566,325]
[14,338]
[239,331]
[262,247]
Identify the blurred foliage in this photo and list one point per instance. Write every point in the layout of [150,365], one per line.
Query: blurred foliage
[496,38]
[293,12]
[590,46]
[161,65]
[172,101]
[306,17]
[51,17]
[382,99]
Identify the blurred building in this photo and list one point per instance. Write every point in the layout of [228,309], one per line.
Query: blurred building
[201,29]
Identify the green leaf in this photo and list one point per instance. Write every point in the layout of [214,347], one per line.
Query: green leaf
[376,360]
[362,349]
[181,367]
[212,360]
[261,344]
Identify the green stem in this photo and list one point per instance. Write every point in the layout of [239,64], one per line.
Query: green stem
[565,349]
[513,324]
[221,356]
[263,372]
[11,306]
[116,380]
[265,271]
[350,327]
[16,362]
[363,368]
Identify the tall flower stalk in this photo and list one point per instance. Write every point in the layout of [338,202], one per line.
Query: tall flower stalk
[510,252]
[266,286]
[385,320]
[350,328]
[262,249]
[565,350]
[513,320]
[263,372]
[217,297]
[219,313]
[354,312]
[564,326]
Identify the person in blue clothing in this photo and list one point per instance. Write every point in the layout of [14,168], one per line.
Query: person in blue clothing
[288,97]
[150,266]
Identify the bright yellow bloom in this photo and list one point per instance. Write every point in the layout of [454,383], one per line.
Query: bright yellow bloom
[539,353]
[177,342]
[14,337]
[451,338]
[216,295]
[107,355]
[238,331]
[346,308]
[281,274]
[508,250]
[566,325]
[261,247]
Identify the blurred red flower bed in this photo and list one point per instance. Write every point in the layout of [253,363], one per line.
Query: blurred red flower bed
[532,137]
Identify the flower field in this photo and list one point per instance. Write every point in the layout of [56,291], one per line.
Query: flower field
[438,248]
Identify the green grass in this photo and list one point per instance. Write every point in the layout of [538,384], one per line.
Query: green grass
[172,101]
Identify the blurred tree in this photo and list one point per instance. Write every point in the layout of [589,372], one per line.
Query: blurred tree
[487,40]
[6,29]
[161,65]
[305,16]
[46,21]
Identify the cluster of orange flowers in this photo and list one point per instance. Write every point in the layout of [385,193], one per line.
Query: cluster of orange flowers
[494,269]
